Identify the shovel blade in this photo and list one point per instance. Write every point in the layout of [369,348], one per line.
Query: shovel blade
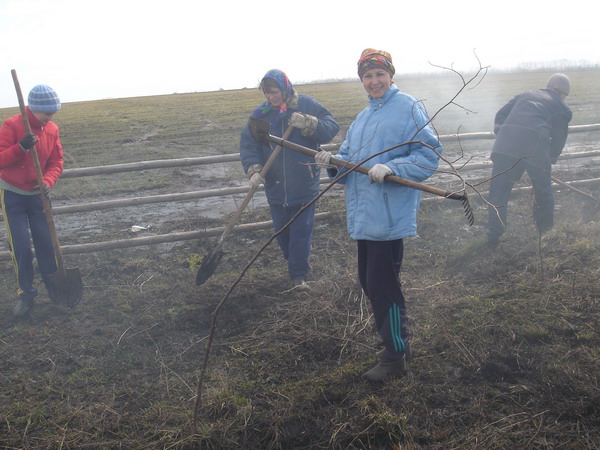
[259,130]
[65,288]
[208,266]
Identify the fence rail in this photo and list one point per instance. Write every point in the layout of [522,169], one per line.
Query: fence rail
[220,192]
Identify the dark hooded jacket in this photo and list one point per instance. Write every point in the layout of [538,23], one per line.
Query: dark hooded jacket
[293,179]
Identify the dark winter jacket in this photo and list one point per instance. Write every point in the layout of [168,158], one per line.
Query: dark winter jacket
[532,123]
[293,179]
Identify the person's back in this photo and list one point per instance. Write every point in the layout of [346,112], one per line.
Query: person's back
[526,125]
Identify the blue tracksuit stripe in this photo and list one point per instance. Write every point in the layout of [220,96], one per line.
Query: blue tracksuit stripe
[396,328]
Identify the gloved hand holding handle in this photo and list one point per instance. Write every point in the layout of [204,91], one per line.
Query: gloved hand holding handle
[256,180]
[28,141]
[378,172]
[322,159]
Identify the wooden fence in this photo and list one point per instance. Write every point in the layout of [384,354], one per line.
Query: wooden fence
[195,195]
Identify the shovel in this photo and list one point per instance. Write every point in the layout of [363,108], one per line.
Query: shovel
[64,286]
[212,260]
[260,132]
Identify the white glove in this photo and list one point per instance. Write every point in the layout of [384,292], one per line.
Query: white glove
[378,172]
[256,180]
[298,121]
[305,122]
[322,159]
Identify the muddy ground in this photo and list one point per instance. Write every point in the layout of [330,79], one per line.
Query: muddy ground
[506,344]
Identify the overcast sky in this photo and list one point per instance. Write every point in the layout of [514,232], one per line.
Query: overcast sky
[88,50]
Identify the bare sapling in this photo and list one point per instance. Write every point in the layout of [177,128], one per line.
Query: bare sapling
[474,80]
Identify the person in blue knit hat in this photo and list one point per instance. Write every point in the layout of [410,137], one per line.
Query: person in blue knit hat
[20,193]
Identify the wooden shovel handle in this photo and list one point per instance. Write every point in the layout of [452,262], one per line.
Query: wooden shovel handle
[40,179]
[235,219]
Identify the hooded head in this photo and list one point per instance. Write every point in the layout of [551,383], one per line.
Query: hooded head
[276,77]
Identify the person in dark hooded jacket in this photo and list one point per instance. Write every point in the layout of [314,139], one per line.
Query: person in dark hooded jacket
[531,132]
[293,179]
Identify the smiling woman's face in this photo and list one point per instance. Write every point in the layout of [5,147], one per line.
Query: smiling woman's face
[376,82]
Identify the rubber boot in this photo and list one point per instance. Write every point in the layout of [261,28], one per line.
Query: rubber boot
[22,307]
[386,370]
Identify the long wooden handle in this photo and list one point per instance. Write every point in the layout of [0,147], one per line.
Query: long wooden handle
[40,179]
[364,170]
[573,188]
[235,219]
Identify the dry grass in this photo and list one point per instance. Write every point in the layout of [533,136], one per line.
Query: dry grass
[502,358]
[506,355]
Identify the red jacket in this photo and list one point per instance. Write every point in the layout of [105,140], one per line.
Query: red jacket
[16,166]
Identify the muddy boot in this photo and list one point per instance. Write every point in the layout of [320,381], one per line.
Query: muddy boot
[300,284]
[23,307]
[386,370]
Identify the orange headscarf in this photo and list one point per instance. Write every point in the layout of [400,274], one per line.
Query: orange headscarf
[371,58]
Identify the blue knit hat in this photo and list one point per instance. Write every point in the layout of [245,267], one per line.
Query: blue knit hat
[43,98]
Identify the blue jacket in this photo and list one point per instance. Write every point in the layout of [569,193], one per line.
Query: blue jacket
[388,211]
[532,123]
[293,179]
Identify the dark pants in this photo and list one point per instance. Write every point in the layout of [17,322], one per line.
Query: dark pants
[379,264]
[506,172]
[23,213]
[296,241]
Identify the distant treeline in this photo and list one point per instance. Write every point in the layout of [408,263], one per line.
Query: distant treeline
[548,66]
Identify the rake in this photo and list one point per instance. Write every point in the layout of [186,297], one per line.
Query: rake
[260,132]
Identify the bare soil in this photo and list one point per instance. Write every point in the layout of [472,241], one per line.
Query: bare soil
[506,342]
[506,345]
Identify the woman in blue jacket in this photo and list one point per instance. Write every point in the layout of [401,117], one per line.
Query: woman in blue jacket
[293,178]
[381,214]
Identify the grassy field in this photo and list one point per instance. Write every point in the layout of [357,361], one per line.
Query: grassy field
[506,343]
[200,124]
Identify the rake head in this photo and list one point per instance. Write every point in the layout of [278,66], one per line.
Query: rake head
[467,207]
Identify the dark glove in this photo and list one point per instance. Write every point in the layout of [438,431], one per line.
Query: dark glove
[46,189]
[28,142]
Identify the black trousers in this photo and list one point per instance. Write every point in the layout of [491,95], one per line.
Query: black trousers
[506,171]
[379,264]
